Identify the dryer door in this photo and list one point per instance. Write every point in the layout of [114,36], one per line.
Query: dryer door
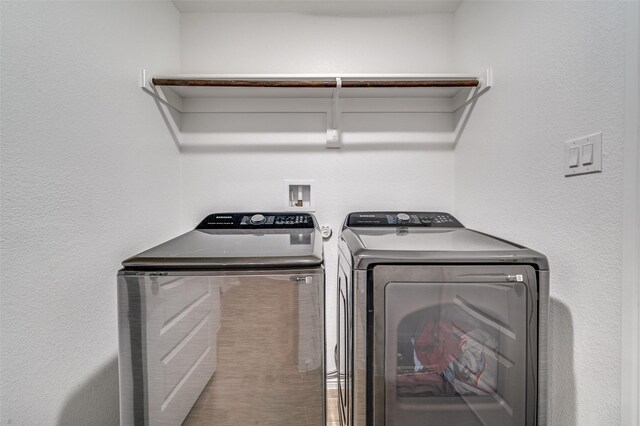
[454,345]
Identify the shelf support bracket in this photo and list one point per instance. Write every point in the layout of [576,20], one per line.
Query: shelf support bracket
[485,84]
[333,119]
[171,113]
[158,95]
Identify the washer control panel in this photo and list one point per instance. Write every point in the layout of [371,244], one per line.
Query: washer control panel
[257,220]
[419,219]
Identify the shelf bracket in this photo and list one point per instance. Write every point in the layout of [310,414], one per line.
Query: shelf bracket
[333,119]
[485,83]
[171,109]
[158,94]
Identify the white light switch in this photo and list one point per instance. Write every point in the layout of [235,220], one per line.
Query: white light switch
[583,155]
[587,155]
[573,157]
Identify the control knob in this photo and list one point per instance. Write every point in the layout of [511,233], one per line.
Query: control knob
[403,218]
[258,219]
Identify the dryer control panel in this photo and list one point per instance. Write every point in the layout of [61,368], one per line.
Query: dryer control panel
[257,220]
[417,219]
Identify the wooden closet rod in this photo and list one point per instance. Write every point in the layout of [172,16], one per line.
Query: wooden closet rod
[409,83]
[313,83]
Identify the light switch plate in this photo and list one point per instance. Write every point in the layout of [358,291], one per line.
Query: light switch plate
[583,167]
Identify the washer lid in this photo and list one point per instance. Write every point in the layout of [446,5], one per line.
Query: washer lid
[234,241]
[421,239]
[386,239]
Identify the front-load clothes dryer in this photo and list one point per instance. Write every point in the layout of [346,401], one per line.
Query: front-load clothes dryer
[438,324]
[224,325]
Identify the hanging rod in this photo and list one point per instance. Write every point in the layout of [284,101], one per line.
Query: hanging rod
[410,83]
[199,82]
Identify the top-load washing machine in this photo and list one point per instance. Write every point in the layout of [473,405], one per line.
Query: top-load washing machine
[224,325]
[438,324]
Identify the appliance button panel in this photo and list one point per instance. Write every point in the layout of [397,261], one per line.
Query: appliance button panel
[404,219]
[257,220]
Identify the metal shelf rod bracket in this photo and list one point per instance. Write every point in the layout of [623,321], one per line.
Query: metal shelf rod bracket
[165,106]
[333,130]
[485,83]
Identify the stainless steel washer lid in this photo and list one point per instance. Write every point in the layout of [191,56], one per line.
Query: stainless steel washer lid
[239,241]
[377,238]
[430,240]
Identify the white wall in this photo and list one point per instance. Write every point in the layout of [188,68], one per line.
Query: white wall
[90,176]
[384,176]
[292,43]
[559,71]
[631,222]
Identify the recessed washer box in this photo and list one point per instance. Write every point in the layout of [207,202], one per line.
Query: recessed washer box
[299,195]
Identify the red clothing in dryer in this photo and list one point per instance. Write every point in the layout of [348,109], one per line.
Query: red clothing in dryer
[438,344]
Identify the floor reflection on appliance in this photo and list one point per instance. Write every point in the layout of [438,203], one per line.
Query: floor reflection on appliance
[333,418]
[263,375]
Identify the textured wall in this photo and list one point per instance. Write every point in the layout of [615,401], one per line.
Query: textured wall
[559,71]
[89,176]
[316,43]
[386,176]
